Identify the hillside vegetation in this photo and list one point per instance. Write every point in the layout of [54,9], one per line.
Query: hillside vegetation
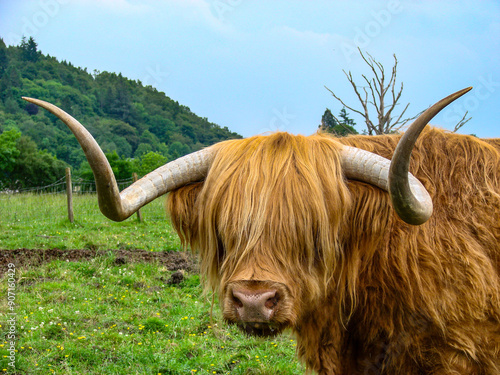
[136,125]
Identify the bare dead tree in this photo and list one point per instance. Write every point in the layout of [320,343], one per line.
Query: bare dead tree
[462,122]
[382,94]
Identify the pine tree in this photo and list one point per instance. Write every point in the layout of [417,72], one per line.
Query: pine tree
[340,127]
[328,122]
[3,57]
[344,117]
[29,49]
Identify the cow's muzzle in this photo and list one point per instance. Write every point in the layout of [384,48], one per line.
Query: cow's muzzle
[259,308]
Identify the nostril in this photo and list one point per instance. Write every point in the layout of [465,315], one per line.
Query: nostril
[254,305]
[272,302]
[237,302]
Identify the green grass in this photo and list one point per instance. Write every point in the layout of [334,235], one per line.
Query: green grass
[41,222]
[96,317]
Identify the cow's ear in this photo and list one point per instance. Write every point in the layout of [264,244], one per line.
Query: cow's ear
[182,208]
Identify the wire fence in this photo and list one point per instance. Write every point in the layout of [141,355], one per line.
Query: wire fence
[79,186]
[55,202]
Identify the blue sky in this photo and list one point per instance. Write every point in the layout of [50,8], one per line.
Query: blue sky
[257,66]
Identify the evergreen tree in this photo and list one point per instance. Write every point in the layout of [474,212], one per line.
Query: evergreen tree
[328,122]
[3,57]
[29,49]
[344,118]
[340,127]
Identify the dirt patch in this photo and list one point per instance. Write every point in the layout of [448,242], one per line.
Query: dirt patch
[35,257]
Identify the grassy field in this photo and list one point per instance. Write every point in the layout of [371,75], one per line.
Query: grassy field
[104,317]
[41,222]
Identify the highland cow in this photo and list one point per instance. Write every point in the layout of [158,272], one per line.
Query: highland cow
[375,269]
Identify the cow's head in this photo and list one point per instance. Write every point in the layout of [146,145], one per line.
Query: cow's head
[264,212]
[266,221]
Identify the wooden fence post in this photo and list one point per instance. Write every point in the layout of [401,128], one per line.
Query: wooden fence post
[139,215]
[69,194]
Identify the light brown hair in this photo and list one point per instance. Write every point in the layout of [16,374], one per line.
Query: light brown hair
[279,208]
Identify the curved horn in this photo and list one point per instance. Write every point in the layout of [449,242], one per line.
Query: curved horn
[374,169]
[119,206]
[410,199]
[409,203]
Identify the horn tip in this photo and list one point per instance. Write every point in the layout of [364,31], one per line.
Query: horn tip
[464,91]
[31,100]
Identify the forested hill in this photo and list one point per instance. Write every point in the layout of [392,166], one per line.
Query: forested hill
[128,119]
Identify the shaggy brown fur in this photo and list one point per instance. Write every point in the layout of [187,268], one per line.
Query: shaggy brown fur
[366,293]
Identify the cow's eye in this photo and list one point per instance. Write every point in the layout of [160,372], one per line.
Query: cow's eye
[220,249]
